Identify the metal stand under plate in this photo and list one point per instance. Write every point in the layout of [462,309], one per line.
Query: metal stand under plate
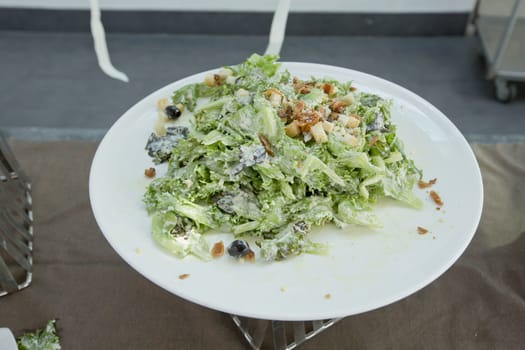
[285,335]
[503,41]
[16,224]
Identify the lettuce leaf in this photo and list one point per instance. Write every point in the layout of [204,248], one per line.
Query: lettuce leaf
[41,339]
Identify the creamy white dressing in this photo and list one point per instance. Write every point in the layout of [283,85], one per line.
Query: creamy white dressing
[246,123]
[101,48]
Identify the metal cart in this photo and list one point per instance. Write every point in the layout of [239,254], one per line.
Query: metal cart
[503,41]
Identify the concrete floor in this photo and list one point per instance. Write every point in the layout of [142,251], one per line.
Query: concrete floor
[51,86]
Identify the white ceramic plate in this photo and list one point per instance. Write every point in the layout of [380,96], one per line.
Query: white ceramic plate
[366,268]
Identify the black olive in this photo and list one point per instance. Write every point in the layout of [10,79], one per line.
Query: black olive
[238,248]
[172,112]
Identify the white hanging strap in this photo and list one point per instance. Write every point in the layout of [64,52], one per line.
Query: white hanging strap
[101,48]
[278,28]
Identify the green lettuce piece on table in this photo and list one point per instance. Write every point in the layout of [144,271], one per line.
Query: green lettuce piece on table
[42,339]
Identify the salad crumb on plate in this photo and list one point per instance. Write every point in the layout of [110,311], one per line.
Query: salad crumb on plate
[267,156]
[218,249]
[425,184]
[421,230]
[436,198]
[150,172]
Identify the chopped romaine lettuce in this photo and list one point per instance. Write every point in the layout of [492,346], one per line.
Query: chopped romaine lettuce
[177,236]
[42,339]
[269,156]
[289,242]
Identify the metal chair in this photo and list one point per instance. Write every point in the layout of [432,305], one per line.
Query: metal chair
[16,223]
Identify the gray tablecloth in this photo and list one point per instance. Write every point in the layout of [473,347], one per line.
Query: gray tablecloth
[101,303]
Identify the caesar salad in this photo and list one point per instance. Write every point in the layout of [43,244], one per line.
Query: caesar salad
[267,156]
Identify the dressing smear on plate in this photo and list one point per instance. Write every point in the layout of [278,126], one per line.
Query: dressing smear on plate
[267,156]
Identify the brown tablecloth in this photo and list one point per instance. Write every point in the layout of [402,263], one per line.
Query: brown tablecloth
[101,303]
